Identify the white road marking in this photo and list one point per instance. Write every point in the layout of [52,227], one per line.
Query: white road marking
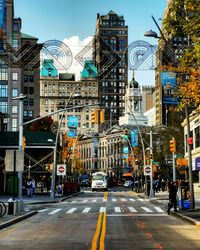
[137,215]
[130,199]
[132,209]
[114,200]
[42,210]
[118,210]
[140,199]
[147,209]
[71,210]
[122,199]
[84,201]
[55,211]
[102,209]
[86,210]
[159,209]
[94,200]
[74,202]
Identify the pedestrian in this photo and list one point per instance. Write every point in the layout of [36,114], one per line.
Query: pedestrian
[172,197]
[33,186]
[29,187]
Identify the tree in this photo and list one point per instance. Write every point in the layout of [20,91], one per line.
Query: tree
[41,125]
[183,20]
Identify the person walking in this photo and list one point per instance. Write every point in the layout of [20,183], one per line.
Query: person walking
[172,197]
[29,187]
[33,186]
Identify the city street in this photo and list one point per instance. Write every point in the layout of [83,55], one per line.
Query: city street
[106,220]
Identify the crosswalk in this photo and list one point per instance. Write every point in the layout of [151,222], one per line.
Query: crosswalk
[111,210]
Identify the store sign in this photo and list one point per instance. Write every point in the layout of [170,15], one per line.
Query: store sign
[197,164]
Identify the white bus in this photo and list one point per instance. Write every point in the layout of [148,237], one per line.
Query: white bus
[99,181]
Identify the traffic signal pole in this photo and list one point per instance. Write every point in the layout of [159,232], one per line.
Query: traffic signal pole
[151,166]
[174,166]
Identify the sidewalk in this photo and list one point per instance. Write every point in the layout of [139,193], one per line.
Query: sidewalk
[192,216]
[8,220]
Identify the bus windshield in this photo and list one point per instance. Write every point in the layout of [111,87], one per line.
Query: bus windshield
[99,177]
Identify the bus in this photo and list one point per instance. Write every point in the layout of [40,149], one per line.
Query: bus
[99,181]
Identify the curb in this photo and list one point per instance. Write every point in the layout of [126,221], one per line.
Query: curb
[186,218]
[17,219]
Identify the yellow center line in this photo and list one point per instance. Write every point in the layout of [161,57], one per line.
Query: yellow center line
[97,232]
[103,233]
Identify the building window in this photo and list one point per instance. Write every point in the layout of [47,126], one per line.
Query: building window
[3,74]
[3,90]
[15,76]
[14,109]
[31,102]
[15,43]
[30,113]
[14,92]
[14,125]
[4,107]
[25,113]
[197,137]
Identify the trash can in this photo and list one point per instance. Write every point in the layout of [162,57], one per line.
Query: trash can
[11,207]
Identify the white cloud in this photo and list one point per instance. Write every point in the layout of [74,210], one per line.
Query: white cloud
[76,45]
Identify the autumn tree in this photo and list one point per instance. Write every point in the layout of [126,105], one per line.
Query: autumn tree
[183,20]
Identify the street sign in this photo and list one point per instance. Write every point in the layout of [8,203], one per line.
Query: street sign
[147,170]
[61,169]
[9,160]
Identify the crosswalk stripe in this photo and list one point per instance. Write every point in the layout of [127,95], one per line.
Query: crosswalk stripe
[132,209]
[118,210]
[71,210]
[55,211]
[130,199]
[140,199]
[84,201]
[42,210]
[102,209]
[159,209]
[147,209]
[114,200]
[122,199]
[94,200]
[74,202]
[86,210]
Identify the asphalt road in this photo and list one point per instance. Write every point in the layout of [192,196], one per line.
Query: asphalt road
[101,220]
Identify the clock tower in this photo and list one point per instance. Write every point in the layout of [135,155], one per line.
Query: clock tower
[133,105]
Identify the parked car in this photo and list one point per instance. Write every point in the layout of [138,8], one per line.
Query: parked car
[128,183]
[85,183]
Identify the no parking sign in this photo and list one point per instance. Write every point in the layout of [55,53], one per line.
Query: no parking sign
[61,169]
[147,170]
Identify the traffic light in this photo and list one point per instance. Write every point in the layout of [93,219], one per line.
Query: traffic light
[102,116]
[151,156]
[23,142]
[172,145]
[95,117]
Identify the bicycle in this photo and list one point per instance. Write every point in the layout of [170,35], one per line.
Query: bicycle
[3,209]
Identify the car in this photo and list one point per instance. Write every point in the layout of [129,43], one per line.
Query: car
[85,183]
[128,183]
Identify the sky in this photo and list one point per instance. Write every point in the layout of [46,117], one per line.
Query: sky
[73,21]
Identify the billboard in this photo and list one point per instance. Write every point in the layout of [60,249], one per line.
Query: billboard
[72,121]
[169,86]
[2,12]
[134,138]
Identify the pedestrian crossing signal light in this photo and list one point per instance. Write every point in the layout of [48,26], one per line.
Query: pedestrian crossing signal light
[95,118]
[172,145]
[23,142]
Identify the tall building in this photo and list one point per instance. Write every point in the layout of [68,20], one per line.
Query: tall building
[60,89]
[111,58]
[19,69]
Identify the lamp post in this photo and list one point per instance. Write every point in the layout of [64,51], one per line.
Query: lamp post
[172,57]
[21,98]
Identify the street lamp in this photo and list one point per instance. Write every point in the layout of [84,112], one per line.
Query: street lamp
[21,98]
[192,200]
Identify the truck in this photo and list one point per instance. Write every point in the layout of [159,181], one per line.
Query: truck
[99,181]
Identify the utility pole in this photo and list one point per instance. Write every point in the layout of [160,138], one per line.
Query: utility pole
[151,166]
